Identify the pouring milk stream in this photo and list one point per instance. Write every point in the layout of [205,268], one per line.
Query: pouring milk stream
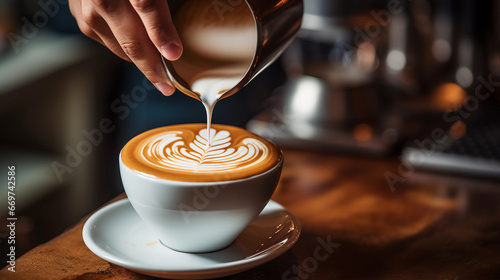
[218,50]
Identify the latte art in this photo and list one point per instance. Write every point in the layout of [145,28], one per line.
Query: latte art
[169,151]
[182,153]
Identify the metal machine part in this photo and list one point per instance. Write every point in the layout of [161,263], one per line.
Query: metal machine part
[330,99]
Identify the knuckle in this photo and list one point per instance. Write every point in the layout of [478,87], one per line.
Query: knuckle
[143,5]
[157,33]
[155,74]
[151,75]
[132,49]
[90,17]
[106,5]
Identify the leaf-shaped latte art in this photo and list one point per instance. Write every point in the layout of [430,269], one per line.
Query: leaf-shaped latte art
[170,151]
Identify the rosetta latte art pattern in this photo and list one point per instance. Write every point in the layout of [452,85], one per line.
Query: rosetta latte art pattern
[170,151]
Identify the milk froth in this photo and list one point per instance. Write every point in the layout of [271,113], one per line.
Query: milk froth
[219,47]
[180,153]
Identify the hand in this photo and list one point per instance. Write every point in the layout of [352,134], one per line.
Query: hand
[135,30]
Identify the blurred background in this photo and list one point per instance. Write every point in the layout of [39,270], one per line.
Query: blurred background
[413,80]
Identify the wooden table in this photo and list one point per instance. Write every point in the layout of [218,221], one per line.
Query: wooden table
[418,226]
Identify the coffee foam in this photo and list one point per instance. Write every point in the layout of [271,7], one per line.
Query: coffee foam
[181,153]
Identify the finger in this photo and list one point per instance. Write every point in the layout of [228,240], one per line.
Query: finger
[101,29]
[155,15]
[133,39]
[93,26]
[76,10]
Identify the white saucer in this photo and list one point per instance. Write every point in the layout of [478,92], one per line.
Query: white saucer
[117,234]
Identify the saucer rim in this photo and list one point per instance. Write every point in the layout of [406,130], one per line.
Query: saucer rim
[219,270]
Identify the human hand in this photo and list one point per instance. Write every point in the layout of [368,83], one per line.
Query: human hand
[135,30]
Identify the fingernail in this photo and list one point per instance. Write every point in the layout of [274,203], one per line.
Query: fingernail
[171,51]
[165,88]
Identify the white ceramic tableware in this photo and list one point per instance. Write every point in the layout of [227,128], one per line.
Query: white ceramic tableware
[117,234]
[198,217]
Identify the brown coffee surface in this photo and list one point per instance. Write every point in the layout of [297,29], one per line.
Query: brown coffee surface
[181,153]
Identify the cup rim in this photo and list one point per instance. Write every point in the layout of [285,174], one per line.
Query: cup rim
[208,183]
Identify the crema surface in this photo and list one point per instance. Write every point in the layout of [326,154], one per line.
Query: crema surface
[182,153]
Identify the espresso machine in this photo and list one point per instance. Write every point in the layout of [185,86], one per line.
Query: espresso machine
[332,98]
[361,74]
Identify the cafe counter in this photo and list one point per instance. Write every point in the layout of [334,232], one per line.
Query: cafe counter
[361,218]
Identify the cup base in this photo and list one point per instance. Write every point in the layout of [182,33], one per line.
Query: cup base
[118,235]
[196,252]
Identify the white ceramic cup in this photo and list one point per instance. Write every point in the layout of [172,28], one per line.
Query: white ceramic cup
[198,217]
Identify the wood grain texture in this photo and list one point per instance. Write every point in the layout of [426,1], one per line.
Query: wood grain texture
[430,227]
